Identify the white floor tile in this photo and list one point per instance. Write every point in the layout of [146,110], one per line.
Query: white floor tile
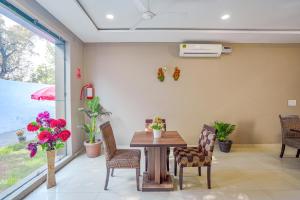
[247,173]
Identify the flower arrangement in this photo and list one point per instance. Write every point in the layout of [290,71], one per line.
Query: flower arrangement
[51,133]
[157,124]
[20,133]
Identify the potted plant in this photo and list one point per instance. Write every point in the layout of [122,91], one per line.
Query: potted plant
[157,126]
[21,136]
[93,111]
[51,135]
[223,131]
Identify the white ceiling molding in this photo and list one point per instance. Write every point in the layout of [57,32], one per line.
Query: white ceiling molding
[251,21]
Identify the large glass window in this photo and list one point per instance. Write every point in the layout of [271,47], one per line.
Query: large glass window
[31,81]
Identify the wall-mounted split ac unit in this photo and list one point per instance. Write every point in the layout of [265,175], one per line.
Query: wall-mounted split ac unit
[203,50]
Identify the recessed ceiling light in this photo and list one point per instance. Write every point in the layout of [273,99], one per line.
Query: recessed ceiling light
[109,16]
[226,16]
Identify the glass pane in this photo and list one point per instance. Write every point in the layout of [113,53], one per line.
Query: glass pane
[28,66]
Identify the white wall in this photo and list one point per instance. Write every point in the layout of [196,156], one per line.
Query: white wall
[74,56]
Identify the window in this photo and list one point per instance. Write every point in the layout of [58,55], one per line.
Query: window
[32,68]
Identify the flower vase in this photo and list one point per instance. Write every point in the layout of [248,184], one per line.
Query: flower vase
[156,133]
[51,182]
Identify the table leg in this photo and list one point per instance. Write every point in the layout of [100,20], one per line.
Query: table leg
[157,178]
[157,164]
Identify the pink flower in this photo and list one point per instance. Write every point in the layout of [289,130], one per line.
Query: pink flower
[64,135]
[54,123]
[44,136]
[61,123]
[33,126]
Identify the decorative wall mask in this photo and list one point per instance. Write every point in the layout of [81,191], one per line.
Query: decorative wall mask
[161,74]
[176,74]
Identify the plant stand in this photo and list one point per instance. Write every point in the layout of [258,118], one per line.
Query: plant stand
[51,182]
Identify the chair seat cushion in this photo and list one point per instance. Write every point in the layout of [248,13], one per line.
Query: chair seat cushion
[294,142]
[191,157]
[176,150]
[125,158]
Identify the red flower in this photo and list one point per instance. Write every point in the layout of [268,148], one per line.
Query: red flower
[33,126]
[64,135]
[54,123]
[44,136]
[61,123]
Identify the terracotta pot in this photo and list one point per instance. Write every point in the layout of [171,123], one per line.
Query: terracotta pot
[51,182]
[93,149]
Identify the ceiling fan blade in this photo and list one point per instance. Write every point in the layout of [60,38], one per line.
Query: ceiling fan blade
[140,6]
[136,24]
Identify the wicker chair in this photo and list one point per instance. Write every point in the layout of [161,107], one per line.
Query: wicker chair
[200,156]
[290,129]
[147,123]
[118,158]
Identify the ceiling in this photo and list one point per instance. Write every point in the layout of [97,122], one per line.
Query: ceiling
[250,21]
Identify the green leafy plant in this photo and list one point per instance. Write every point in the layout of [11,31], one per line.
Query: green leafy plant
[223,130]
[93,111]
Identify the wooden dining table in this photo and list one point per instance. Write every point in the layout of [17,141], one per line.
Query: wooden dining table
[157,178]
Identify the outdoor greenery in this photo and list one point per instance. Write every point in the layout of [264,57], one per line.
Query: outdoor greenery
[93,111]
[15,164]
[223,130]
[17,45]
[45,72]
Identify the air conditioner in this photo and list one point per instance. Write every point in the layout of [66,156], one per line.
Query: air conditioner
[203,50]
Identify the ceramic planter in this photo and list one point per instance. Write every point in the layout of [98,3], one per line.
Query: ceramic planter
[156,133]
[93,149]
[22,138]
[225,146]
[51,182]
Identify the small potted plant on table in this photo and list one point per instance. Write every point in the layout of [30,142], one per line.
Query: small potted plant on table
[223,131]
[93,111]
[157,127]
[21,136]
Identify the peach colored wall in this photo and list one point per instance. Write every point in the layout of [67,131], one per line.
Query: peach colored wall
[249,88]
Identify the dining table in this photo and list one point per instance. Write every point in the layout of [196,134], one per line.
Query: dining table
[157,178]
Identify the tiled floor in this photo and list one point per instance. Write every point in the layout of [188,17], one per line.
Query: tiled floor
[247,173]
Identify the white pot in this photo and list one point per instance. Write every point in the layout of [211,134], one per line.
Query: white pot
[156,133]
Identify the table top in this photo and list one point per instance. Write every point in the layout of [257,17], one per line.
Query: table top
[168,138]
